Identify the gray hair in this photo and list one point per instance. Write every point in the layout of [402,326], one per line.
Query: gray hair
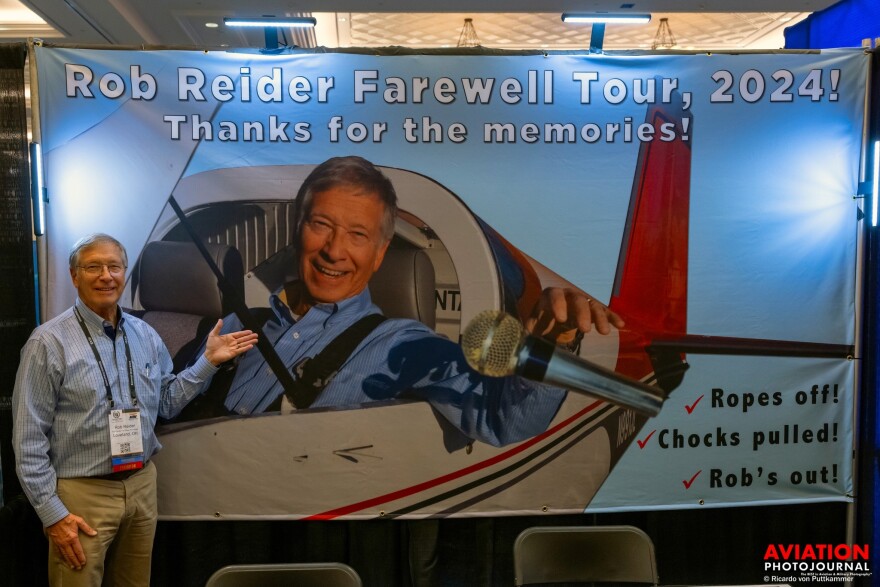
[90,241]
[352,171]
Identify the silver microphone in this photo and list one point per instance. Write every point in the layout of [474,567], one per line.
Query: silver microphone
[495,344]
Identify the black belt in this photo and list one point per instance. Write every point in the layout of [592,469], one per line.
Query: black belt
[119,475]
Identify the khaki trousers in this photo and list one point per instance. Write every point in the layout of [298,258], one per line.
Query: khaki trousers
[124,514]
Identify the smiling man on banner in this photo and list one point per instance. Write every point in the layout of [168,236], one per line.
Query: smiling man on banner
[345,213]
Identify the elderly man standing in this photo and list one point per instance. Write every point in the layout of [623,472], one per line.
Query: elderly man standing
[345,221]
[89,388]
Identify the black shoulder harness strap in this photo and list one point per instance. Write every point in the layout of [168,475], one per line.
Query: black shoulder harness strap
[314,373]
[239,307]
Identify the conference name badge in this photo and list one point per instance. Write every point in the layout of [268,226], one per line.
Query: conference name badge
[126,442]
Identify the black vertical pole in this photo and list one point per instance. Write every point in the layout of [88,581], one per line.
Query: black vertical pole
[597,37]
[868,458]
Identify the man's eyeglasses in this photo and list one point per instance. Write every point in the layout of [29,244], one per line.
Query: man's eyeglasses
[98,268]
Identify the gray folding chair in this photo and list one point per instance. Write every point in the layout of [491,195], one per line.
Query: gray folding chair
[286,575]
[589,554]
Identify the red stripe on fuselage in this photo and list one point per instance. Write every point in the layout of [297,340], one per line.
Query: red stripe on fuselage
[414,489]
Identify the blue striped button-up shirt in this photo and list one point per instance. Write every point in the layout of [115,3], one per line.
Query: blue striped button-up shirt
[400,358]
[60,405]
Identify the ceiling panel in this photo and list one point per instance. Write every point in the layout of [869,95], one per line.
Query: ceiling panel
[696,24]
[547,31]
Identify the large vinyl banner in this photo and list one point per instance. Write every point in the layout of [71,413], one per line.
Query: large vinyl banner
[707,199]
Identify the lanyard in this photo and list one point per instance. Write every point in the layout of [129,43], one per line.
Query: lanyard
[131,389]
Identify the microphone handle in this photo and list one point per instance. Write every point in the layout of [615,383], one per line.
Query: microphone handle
[540,360]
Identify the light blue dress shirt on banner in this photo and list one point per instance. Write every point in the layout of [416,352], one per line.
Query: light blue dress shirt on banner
[399,359]
[60,406]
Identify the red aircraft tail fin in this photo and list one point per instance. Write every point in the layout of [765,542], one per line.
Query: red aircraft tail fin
[650,286]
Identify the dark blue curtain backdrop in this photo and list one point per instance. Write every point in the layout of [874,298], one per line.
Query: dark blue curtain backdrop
[844,24]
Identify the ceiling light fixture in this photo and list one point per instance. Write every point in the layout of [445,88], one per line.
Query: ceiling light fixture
[599,20]
[664,37]
[468,36]
[605,18]
[272,22]
[211,25]
[271,26]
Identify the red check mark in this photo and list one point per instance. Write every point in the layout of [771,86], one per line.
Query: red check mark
[687,484]
[642,443]
[691,407]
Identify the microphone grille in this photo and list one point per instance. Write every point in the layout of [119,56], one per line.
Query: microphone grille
[491,343]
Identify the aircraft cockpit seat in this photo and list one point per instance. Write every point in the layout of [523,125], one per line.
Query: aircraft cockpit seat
[404,285]
[180,295]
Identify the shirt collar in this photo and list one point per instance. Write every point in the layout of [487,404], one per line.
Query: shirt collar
[98,322]
[354,304]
